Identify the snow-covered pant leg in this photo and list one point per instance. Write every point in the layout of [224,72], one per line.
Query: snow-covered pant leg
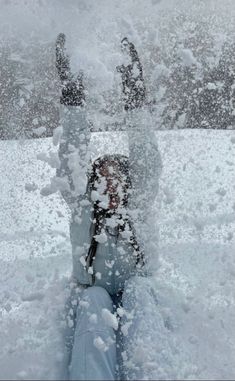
[73,154]
[145,171]
[145,161]
[75,292]
[143,331]
[94,348]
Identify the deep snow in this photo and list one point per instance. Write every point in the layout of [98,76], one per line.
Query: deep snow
[194,277]
[194,272]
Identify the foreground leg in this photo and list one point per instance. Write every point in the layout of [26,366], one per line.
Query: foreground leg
[94,349]
[144,333]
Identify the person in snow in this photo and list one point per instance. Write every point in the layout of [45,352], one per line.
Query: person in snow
[109,201]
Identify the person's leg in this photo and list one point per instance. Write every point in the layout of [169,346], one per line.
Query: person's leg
[94,348]
[144,333]
[117,306]
[145,169]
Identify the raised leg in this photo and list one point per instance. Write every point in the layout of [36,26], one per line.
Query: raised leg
[144,156]
[94,348]
[144,331]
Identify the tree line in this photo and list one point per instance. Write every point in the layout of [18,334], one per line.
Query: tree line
[195,87]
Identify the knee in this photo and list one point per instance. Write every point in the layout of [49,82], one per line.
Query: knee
[89,312]
[140,290]
[94,292]
[97,297]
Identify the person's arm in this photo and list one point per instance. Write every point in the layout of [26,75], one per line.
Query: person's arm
[73,150]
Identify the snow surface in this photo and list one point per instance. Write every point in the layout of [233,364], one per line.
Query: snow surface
[195,275]
[195,208]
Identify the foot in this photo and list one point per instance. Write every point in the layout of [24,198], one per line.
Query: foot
[72,88]
[132,78]
[62,60]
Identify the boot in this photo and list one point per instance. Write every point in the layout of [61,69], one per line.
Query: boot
[133,86]
[72,89]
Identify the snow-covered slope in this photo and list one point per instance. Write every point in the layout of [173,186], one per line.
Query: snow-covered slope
[195,274]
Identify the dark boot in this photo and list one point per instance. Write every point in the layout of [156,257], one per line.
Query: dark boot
[132,78]
[72,89]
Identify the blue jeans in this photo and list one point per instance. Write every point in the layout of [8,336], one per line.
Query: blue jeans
[98,341]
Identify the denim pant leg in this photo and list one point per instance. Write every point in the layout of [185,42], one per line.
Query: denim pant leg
[139,325]
[94,348]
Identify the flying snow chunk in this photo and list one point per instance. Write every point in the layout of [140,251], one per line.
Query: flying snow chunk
[31,187]
[211,86]
[126,234]
[35,121]
[22,375]
[101,238]
[39,131]
[221,192]
[98,275]
[53,159]
[94,195]
[125,328]
[57,133]
[170,197]
[93,319]
[83,261]
[21,102]
[55,185]
[120,311]
[100,344]
[32,296]
[109,319]
[187,57]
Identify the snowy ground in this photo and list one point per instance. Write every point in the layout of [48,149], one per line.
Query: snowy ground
[195,277]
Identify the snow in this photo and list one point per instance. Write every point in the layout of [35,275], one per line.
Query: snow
[194,280]
[39,131]
[109,319]
[101,238]
[52,159]
[57,133]
[30,187]
[192,335]
[100,344]
[187,57]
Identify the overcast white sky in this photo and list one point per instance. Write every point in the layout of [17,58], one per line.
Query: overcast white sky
[44,18]
[95,27]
